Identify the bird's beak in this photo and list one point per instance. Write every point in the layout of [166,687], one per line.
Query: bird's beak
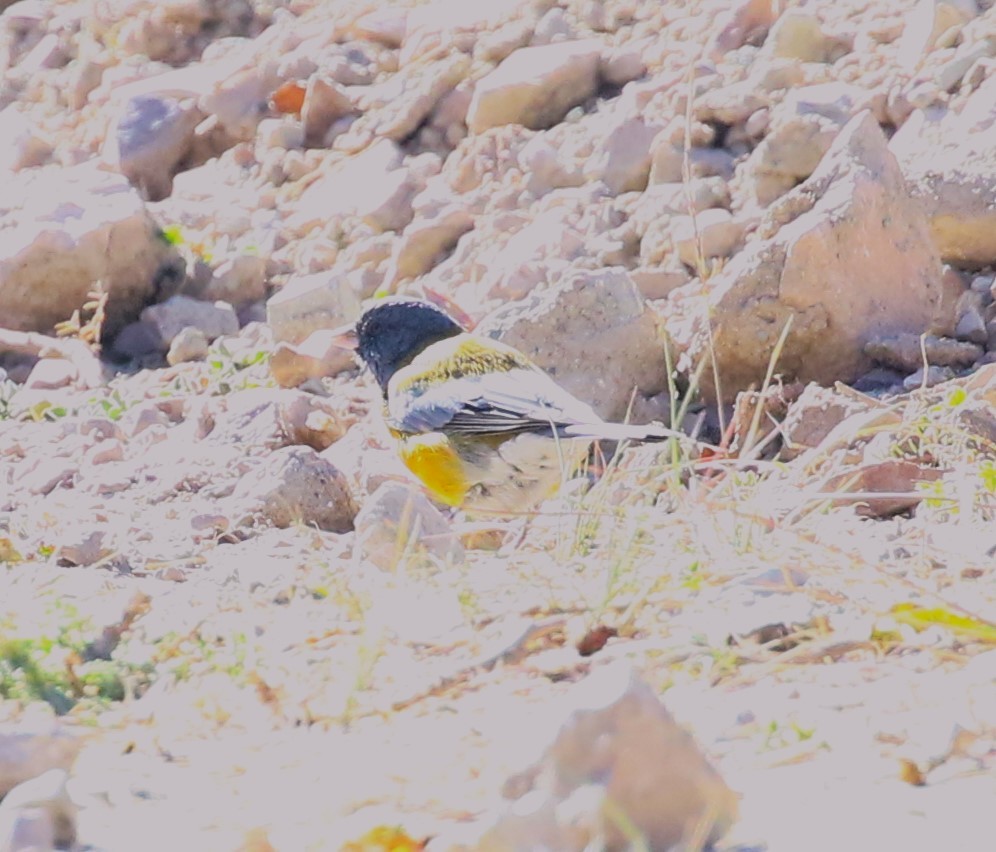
[345,337]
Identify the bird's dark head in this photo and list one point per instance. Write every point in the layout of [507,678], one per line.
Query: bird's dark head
[394,330]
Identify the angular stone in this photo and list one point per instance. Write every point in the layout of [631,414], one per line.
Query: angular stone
[560,326]
[845,258]
[535,86]
[171,317]
[310,302]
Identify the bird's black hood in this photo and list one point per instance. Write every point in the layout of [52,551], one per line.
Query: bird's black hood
[395,330]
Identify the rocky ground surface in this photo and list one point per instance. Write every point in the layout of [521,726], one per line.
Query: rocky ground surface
[228,618]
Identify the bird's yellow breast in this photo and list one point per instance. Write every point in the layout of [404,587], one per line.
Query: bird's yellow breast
[437,464]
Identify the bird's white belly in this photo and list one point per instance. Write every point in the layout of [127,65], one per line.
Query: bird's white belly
[524,471]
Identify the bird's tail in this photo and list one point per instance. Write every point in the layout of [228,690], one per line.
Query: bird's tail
[620,432]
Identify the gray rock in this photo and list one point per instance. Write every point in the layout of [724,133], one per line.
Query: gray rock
[138,339]
[904,352]
[170,318]
[803,126]
[150,137]
[927,379]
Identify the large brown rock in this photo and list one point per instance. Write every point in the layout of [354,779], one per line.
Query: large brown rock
[618,752]
[64,230]
[845,257]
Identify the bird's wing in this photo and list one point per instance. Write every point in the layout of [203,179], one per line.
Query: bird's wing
[472,387]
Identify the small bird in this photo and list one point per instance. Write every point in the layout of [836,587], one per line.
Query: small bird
[477,422]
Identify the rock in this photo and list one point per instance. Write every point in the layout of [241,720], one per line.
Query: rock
[559,326]
[233,91]
[51,374]
[925,24]
[813,416]
[33,746]
[372,186]
[623,64]
[82,545]
[281,134]
[446,25]
[138,339]
[149,138]
[971,325]
[308,303]
[742,24]
[618,750]
[621,159]
[667,151]
[294,485]
[950,167]
[656,282]
[170,318]
[850,263]
[928,378]
[59,227]
[554,26]
[240,281]
[49,474]
[425,240]
[545,170]
[713,233]
[22,143]
[798,35]
[894,478]
[38,815]
[904,352]
[399,522]
[316,357]
[395,109]
[324,103]
[802,128]
[268,418]
[535,86]
[190,344]
[383,26]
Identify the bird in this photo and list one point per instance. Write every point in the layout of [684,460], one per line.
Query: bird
[477,422]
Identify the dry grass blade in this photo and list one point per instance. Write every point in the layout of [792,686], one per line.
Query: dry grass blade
[94,309]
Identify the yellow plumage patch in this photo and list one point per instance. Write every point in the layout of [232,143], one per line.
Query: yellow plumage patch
[431,458]
[458,357]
